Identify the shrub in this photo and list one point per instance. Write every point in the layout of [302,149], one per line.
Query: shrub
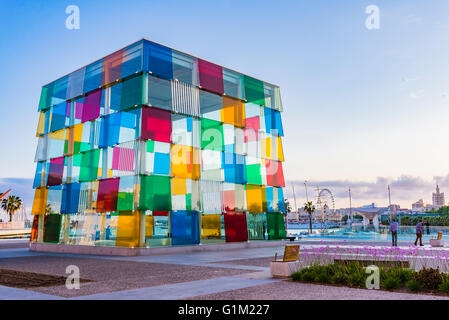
[429,278]
[402,274]
[391,283]
[444,286]
[357,279]
[323,277]
[414,285]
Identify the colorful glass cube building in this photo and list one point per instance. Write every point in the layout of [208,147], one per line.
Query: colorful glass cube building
[150,146]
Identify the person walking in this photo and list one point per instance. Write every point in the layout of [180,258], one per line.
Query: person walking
[427,226]
[419,231]
[394,233]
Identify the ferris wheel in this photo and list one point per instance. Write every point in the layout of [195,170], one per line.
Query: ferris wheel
[325,203]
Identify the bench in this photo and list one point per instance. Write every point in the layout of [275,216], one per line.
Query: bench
[289,263]
[438,242]
[290,238]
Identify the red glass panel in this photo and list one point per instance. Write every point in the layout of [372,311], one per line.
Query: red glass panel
[91,108]
[211,76]
[275,173]
[112,67]
[55,171]
[107,195]
[156,124]
[235,227]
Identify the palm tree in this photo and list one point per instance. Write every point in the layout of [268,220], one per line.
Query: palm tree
[310,209]
[11,204]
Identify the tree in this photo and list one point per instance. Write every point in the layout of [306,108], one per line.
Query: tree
[11,204]
[288,207]
[310,209]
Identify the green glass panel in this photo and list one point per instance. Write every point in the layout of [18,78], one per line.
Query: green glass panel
[125,201]
[256,226]
[212,135]
[189,201]
[89,165]
[253,174]
[254,90]
[132,93]
[276,226]
[150,146]
[155,193]
[52,226]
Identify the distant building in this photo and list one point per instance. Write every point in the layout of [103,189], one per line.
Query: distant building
[418,206]
[438,198]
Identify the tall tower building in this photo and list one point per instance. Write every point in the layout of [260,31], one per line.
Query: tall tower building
[438,198]
[150,146]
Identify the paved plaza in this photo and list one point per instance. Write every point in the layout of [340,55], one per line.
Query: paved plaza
[233,274]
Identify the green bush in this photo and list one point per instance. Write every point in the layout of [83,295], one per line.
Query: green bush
[391,283]
[357,279]
[444,286]
[430,278]
[414,285]
[402,274]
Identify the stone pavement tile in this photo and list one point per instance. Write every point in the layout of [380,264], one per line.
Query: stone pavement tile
[115,275]
[8,293]
[289,290]
[181,290]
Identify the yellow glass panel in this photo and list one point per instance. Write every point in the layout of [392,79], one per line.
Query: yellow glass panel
[268,148]
[178,186]
[185,162]
[128,230]
[233,112]
[41,124]
[57,135]
[280,150]
[149,222]
[40,201]
[211,226]
[78,132]
[255,198]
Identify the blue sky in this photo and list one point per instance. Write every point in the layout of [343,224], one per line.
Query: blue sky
[363,108]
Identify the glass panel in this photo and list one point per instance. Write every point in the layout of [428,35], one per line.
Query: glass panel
[40,201]
[256,198]
[158,60]
[212,135]
[155,193]
[112,68]
[92,76]
[185,68]
[159,93]
[56,171]
[132,60]
[107,195]
[210,105]
[128,230]
[91,109]
[235,226]
[118,128]
[233,84]
[59,116]
[185,162]
[89,170]
[54,198]
[254,90]
[276,226]
[233,112]
[184,227]
[132,93]
[256,226]
[52,226]
[156,124]
[211,76]
[76,83]
[70,198]
[211,226]
[121,159]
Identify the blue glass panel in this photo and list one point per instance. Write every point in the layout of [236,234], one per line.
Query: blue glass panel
[278,123]
[132,60]
[58,116]
[38,177]
[92,76]
[184,227]
[270,199]
[161,163]
[234,168]
[158,60]
[70,198]
[110,130]
[76,83]
[281,203]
